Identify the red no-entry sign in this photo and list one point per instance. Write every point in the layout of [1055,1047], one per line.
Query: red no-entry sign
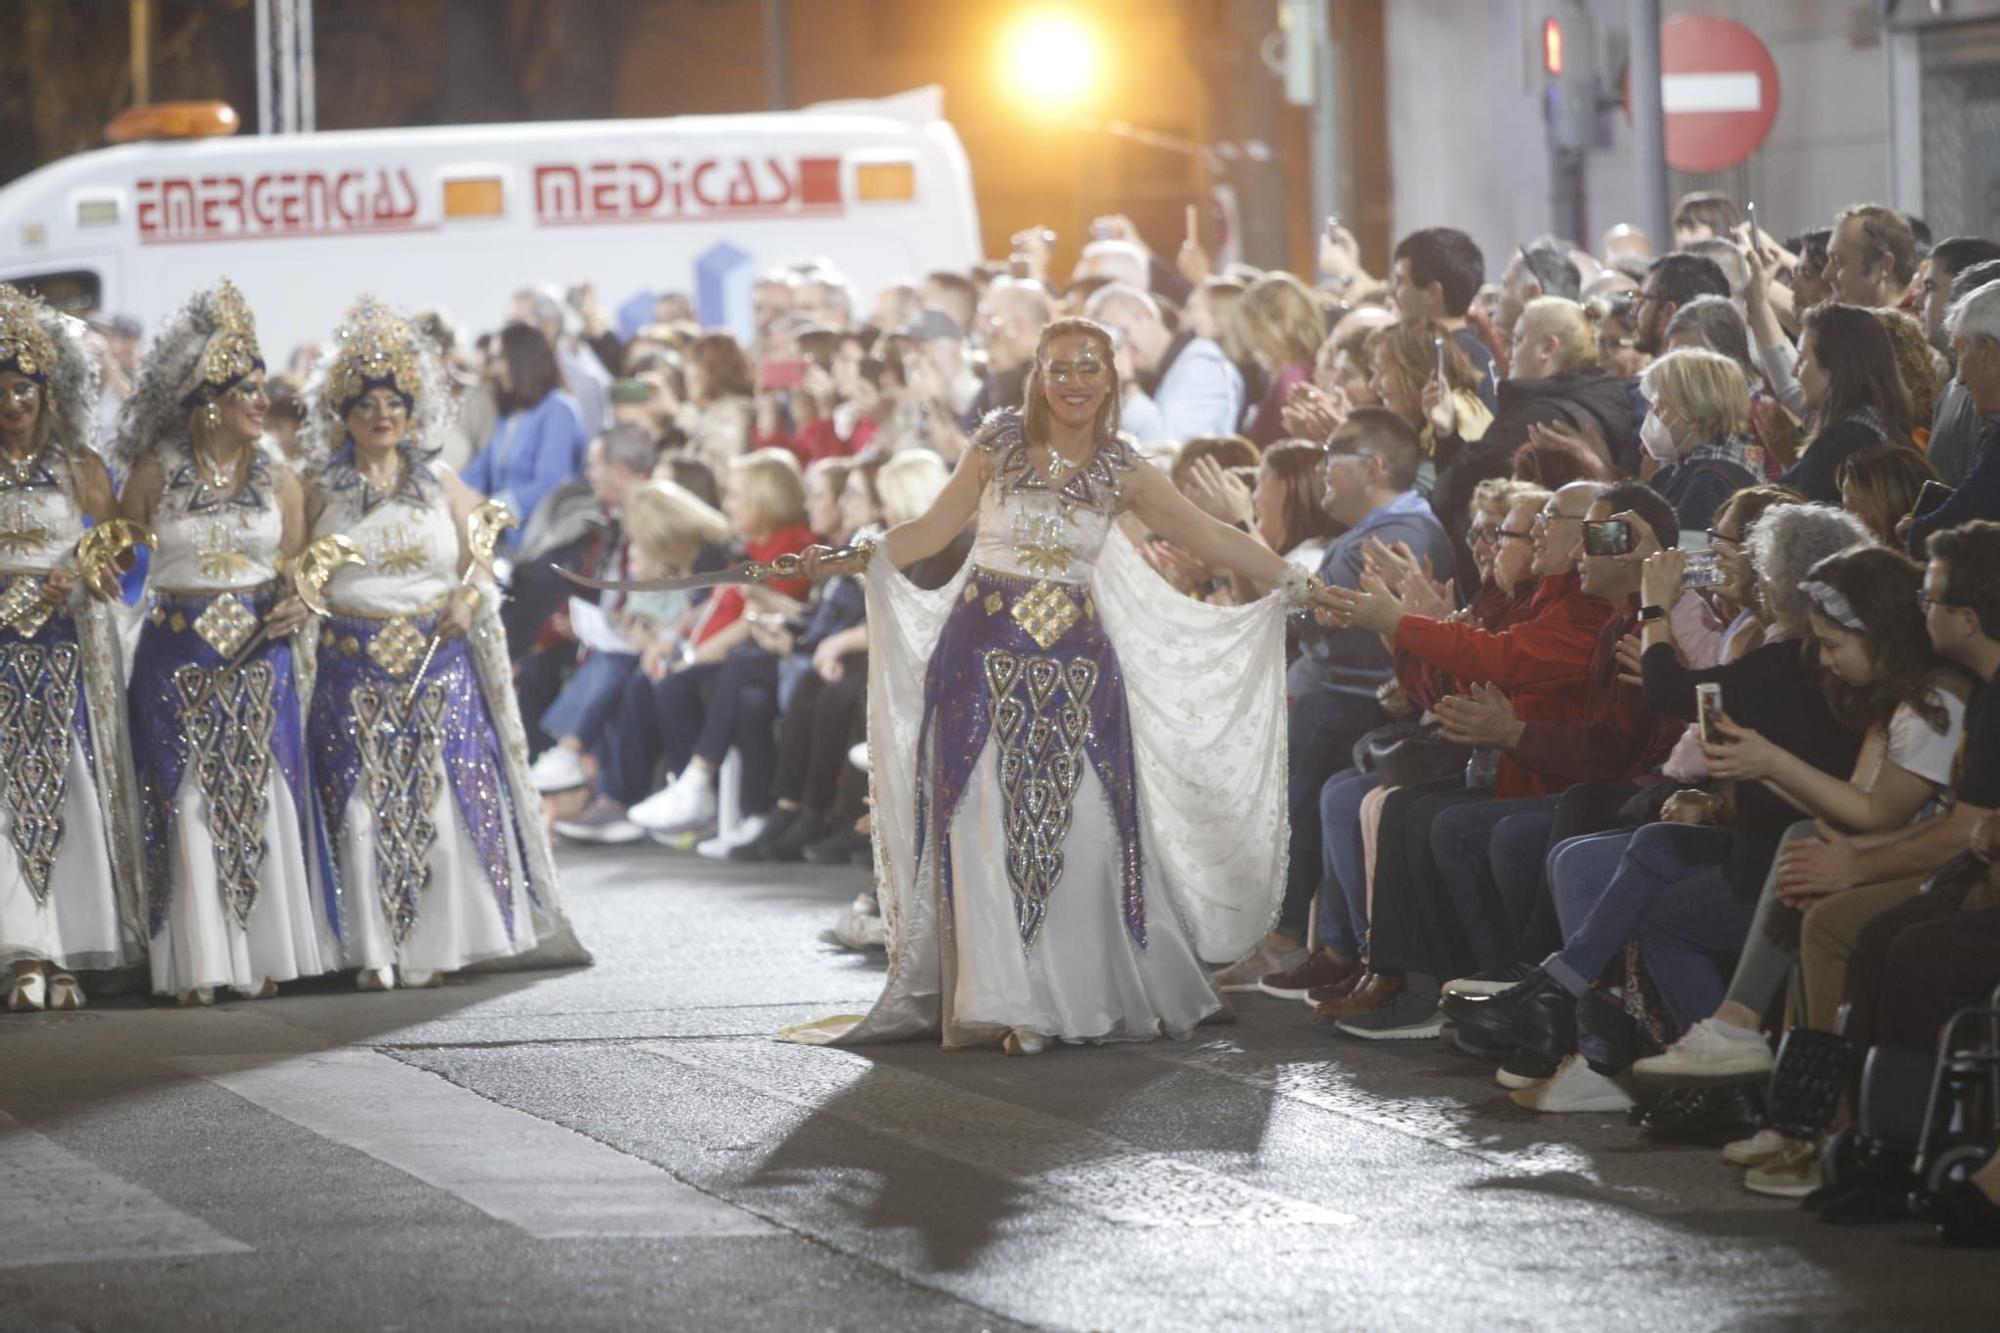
[1719,89]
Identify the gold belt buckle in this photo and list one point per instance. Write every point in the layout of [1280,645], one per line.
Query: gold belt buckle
[22,607]
[225,625]
[1046,612]
[397,646]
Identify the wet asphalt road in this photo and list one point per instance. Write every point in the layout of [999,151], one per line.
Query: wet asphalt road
[625,1147]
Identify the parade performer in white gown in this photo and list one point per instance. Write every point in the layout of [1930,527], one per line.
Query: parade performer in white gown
[1079,774]
[69,838]
[217,728]
[440,858]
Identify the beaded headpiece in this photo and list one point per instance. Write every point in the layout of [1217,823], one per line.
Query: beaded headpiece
[230,351]
[24,344]
[376,350]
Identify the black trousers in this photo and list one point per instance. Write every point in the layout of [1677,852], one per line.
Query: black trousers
[1411,925]
[1919,962]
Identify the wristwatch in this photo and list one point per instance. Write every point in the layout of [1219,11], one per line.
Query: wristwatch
[1649,614]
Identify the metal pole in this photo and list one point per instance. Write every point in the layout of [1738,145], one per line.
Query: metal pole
[777,57]
[142,52]
[308,91]
[1326,118]
[264,125]
[288,106]
[1649,133]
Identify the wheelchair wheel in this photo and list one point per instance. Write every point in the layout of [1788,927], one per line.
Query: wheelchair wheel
[1845,1156]
[1952,1166]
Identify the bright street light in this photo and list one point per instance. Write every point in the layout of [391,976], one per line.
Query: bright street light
[1049,58]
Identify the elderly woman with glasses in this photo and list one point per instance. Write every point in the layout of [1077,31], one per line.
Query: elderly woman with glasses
[216,720]
[1079,776]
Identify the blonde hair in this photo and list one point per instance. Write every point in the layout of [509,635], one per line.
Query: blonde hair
[1499,495]
[1281,321]
[670,522]
[1225,298]
[1706,389]
[1917,362]
[770,482]
[1410,347]
[1576,339]
[909,484]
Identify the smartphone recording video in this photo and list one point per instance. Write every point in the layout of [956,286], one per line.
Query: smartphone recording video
[1708,711]
[1703,570]
[1610,536]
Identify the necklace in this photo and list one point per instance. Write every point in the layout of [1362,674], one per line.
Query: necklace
[22,469]
[217,478]
[1058,465]
[372,493]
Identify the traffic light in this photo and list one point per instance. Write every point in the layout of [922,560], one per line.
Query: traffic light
[1552,47]
[1569,74]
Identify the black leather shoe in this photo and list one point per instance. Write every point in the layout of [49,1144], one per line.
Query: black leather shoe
[836,849]
[775,827]
[1965,1216]
[805,829]
[1538,1014]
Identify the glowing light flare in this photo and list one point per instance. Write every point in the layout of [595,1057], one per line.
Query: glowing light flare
[1552,47]
[1050,59]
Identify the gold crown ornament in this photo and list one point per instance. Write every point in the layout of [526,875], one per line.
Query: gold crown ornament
[231,350]
[24,344]
[376,349]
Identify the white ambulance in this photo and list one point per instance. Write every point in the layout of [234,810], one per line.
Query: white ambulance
[459,217]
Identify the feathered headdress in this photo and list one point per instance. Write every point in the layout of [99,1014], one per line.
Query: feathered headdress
[48,347]
[197,356]
[376,348]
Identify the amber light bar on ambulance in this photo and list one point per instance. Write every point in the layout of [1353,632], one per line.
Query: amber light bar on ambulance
[173,120]
[474,197]
[883,182]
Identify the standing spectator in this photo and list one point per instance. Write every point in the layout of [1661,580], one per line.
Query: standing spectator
[582,373]
[716,418]
[1448,416]
[1283,329]
[1438,272]
[1705,215]
[1199,393]
[1955,424]
[1540,268]
[538,442]
[935,365]
[894,305]
[1871,256]
[477,407]
[1618,350]
[1879,486]
[1671,282]
[1922,368]
[1852,393]
[1011,317]
[825,298]
[952,293]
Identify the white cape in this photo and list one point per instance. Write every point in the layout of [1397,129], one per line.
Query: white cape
[1206,698]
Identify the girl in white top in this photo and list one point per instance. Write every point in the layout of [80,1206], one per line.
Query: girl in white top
[68,853]
[438,857]
[216,720]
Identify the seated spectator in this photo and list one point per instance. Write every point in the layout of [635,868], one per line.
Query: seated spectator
[1282,328]
[1280,507]
[839,404]
[1974,323]
[1189,378]
[663,708]
[1955,269]
[1694,433]
[1879,485]
[665,531]
[1437,273]
[1343,375]
[1369,474]
[1552,380]
[1553,461]
[1405,359]
[1853,395]
[715,419]
[538,442]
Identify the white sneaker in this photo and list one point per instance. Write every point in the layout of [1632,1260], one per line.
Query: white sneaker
[559,769]
[1709,1052]
[857,755]
[859,933]
[686,802]
[746,832]
[1575,1087]
[1756,1150]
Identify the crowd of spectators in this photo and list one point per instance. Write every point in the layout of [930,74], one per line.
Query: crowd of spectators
[1658,721]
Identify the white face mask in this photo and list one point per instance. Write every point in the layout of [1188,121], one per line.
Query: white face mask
[1657,440]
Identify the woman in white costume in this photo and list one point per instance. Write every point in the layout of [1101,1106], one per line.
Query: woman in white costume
[1079,775]
[217,728]
[69,860]
[439,856]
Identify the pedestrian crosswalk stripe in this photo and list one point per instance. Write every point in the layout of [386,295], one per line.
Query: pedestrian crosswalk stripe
[549,1181]
[56,1208]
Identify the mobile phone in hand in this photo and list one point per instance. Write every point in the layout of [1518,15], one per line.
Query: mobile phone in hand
[1703,570]
[1437,346]
[1930,495]
[1708,711]
[1609,536]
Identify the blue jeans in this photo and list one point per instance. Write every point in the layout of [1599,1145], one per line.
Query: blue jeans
[1694,921]
[589,697]
[1343,889]
[1320,731]
[1601,911]
[1464,842]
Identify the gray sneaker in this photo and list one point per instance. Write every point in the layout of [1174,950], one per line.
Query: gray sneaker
[1405,1018]
[602,821]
